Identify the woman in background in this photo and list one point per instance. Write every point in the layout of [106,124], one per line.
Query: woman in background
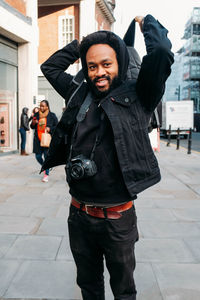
[43,120]
[34,111]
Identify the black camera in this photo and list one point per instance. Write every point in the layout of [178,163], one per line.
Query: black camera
[80,167]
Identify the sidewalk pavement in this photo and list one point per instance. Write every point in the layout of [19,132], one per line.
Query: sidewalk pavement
[35,259]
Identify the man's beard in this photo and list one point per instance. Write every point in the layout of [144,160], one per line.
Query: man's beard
[112,85]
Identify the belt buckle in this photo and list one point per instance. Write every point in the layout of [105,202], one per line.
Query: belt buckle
[86,207]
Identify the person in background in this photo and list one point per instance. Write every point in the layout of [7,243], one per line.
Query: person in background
[43,120]
[34,111]
[24,127]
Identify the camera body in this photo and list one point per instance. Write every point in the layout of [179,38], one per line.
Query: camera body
[80,167]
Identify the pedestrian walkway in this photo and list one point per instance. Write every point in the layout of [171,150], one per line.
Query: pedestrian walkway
[35,260]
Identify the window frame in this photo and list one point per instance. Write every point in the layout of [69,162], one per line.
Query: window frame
[65,17]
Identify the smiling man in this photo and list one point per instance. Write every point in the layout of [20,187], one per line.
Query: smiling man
[102,138]
[102,66]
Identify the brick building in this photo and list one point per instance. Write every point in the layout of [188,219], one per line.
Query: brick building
[18,67]
[61,21]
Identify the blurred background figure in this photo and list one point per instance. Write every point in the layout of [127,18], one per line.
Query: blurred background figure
[34,111]
[43,120]
[24,127]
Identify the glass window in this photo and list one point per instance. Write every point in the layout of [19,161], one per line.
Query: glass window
[66,30]
[196,29]
[8,54]
[8,107]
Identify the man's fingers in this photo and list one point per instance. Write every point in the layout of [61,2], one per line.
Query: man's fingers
[140,21]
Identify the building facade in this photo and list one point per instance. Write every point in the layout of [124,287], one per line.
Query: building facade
[174,84]
[60,22]
[18,68]
[191,72]
[184,81]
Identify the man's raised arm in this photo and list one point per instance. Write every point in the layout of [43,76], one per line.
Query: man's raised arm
[54,67]
[156,65]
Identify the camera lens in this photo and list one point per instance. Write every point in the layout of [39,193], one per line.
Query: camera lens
[77,171]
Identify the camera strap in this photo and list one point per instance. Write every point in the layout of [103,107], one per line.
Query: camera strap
[79,118]
[98,136]
[84,108]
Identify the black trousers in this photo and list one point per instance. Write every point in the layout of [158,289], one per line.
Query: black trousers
[93,239]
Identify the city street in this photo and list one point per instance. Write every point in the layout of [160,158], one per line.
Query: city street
[35,259]
[184,142]
[43,45]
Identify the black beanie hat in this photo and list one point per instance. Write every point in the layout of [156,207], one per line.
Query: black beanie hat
[114,41]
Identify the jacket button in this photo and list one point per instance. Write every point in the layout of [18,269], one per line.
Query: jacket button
[126,100]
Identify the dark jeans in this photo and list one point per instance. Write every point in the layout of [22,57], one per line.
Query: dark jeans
[92,239]
[38,156]
[23,138]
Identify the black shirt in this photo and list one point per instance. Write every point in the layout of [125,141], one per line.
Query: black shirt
[107,187]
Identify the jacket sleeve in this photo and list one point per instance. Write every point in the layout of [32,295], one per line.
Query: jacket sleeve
[24,122]
[54,67]
[156,65]
[53,124]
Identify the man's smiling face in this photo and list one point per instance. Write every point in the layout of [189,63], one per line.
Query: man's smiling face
[102,66]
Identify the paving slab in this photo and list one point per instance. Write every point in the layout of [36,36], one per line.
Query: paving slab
[178,281]
[6,241]
[177,194]
[194,246]
[195,187]
[189,214]
[8,270]
[64,252]
[43,280]
[45,210]
[34,248]
[13,180]
[63,211]
[16,209]
[166,230]
[144,202]
[3,189]
[33,198]
[157,214]
[163,250]
[18,225]
[4,195]
[61,190]
[178,203]
[53,226]
[146,283]
[153,193]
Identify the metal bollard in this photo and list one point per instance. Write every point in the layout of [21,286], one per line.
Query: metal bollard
[178,139]
[169,136]
[189,142]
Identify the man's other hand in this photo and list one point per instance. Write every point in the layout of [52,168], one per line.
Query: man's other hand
[140,21]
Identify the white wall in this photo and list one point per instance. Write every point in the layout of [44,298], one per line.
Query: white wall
[26,35]
[87,19]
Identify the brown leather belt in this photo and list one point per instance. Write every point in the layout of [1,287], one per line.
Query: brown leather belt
[113,212]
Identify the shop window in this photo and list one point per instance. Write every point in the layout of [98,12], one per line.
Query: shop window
[8,107]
